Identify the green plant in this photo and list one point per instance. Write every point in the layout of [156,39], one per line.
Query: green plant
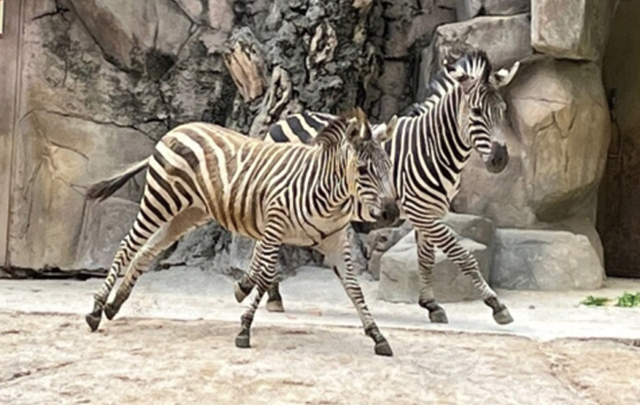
[629,300]
[595,301]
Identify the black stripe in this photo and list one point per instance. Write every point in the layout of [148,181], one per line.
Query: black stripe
[182,175]
[184,192]
[312,121]
[277,134]
[143,226]
[166,187]
[159,198]
[296,127]
[154,210]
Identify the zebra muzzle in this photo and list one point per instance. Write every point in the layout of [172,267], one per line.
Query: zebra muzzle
[390,213]
[497,160]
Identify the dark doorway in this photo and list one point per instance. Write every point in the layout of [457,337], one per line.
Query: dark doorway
[619,198]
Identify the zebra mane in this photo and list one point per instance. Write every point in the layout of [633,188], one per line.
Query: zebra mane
[474,62]
[332,133]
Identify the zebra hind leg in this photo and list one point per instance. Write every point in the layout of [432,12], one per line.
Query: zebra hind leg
[262,275]
[159,241]
[242,288]
[274,302]
[128,248]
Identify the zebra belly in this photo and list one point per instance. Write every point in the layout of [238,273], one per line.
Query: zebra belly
[315,230]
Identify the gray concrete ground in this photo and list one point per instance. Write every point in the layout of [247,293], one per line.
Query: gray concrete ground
[313,353]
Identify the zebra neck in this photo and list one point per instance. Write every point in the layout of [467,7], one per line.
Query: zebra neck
[331,187]
[440,127]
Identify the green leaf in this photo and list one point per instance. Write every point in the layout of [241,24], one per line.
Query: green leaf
[595,301]
[629,300]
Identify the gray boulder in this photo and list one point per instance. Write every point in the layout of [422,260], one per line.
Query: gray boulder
[571,29]
[545,260]
[468,9]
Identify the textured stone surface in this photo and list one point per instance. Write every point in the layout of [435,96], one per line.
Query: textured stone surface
[124,71]
[545,260]
[404,26]
[467,9]
[473,227]
[505,39]
[400,279]
[561,114]
[135,33]
[571,29]
[44,359]
[56,157]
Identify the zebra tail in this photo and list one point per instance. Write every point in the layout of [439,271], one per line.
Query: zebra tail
[104,189]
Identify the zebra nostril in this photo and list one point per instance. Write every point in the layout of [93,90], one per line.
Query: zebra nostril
[375,213]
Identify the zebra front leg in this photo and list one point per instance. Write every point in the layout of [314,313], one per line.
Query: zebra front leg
[262,275]
[338,255]
[426,260]
[442,237]
[243,288]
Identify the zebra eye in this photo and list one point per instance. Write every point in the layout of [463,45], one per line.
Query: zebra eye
[476,111]
[362,170]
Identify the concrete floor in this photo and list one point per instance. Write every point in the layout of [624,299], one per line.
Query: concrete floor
[315,296]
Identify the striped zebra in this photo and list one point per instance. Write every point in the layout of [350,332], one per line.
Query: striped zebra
[274,193]
[428,150]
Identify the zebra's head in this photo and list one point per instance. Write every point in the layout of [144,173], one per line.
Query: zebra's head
[369,168]
[483,108]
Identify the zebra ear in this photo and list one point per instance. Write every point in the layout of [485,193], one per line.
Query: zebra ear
[389,130]
[457,74]
[330,134]
[504,76]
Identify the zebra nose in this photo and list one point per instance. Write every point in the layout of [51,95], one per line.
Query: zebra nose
[498,159]
[390,214]
[375,212]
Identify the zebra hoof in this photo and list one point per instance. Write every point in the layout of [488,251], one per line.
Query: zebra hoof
[383,349]
[438,316]
[275,306]
[239,293]
[243,341]
[93,321]
[110,311]
[502,316]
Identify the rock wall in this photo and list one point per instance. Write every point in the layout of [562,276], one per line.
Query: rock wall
[99,81]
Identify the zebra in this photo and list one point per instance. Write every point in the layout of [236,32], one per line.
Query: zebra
[429,148]
[274,193]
